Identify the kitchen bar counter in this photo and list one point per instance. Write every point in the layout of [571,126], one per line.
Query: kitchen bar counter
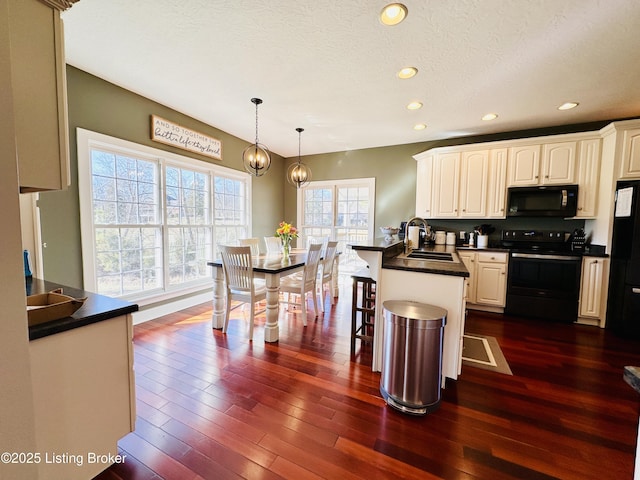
[432,282]
[393,258]
[97,308]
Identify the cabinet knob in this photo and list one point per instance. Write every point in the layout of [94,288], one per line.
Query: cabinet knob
[546,176]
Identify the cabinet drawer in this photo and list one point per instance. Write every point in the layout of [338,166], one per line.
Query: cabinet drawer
[492,257]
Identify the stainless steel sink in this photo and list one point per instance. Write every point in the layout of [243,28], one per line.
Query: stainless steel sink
[433,256]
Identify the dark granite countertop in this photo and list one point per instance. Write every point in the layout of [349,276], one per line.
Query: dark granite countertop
[393,259]
[632,377]
[379,245]
[95,309]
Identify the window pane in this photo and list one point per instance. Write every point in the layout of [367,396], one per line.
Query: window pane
[153,220]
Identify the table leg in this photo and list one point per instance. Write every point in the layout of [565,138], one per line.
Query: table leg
[271,329]
[217,318]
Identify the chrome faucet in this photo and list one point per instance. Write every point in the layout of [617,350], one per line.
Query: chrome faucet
[406,231]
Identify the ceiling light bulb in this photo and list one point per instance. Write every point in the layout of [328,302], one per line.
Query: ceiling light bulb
[393,14]
[407,72]
[414,106]
[490,116]
[419,126]
[568,106]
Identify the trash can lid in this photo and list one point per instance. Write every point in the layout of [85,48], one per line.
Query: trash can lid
[415,310]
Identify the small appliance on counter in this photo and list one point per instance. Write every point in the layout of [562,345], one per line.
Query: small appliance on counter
[577,240]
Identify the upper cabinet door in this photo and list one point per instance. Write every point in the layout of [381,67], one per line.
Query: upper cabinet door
[39,95]
[446,185]
[424,176]
[473,188]
[524,165]
[497,193]
[631,154]
[559,163]
[588,177]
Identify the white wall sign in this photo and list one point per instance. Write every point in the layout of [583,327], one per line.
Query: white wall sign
[169,133]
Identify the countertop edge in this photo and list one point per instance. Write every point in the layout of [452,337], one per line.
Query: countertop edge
[97,308]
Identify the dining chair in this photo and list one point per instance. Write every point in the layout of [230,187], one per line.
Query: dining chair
[240,283]
[301,283]
[254,243]
[325,276]
[321,239]
[273,244]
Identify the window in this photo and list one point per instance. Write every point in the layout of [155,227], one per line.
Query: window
[150,219]
[342,210]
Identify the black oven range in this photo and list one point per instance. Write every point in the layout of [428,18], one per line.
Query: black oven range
[544,275]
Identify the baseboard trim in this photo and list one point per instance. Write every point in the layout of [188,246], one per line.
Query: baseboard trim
[485,308]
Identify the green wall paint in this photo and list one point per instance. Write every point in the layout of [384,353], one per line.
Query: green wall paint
[97,105]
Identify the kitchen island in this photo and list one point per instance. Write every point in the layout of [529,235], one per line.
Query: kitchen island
[83,384]
[431,281]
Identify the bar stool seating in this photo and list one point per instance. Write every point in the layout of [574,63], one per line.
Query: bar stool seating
[362,308]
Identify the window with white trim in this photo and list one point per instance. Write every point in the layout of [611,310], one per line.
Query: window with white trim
[150,219]
[341,210]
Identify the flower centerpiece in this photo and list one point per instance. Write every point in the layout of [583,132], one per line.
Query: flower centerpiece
[286,232]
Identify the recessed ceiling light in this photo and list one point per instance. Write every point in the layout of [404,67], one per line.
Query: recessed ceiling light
[419,126]
[414,106]
[393,14]
[490,116]
[568,106]
[407,72]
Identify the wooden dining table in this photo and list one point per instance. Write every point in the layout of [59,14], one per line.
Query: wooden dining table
[270,267]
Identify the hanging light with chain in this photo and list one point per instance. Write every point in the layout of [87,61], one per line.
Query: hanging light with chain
[256,158]
[298,174]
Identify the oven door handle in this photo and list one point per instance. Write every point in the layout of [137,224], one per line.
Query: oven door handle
[635,290]
[546,257]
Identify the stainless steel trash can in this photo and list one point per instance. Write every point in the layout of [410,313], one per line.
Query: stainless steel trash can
[412,356]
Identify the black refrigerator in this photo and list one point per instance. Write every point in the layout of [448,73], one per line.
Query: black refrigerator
[623,305]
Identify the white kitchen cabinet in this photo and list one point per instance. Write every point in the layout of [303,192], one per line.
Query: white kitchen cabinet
[524,165]
[446,185]
[558,163]
[84,394]
[631,153]
[424,176]
[469,259]
[491,283]
[473,185]
[591,286]
[497,192]
[487,281]
[39,95]
[588,177]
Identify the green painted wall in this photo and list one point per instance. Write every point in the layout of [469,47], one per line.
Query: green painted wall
[97,105]
[395,172]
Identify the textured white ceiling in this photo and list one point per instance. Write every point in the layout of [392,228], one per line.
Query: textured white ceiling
[330,66]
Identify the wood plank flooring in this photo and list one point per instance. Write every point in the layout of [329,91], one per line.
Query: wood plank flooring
[216,406]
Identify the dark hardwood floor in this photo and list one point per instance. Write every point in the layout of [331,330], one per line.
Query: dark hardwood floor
[216,406]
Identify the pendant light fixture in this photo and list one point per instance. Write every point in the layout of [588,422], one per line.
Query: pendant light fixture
[256,158]
[298,174]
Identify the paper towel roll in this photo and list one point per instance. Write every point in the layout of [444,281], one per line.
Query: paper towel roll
[414,237]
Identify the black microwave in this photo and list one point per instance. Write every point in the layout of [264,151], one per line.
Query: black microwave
[542,201]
